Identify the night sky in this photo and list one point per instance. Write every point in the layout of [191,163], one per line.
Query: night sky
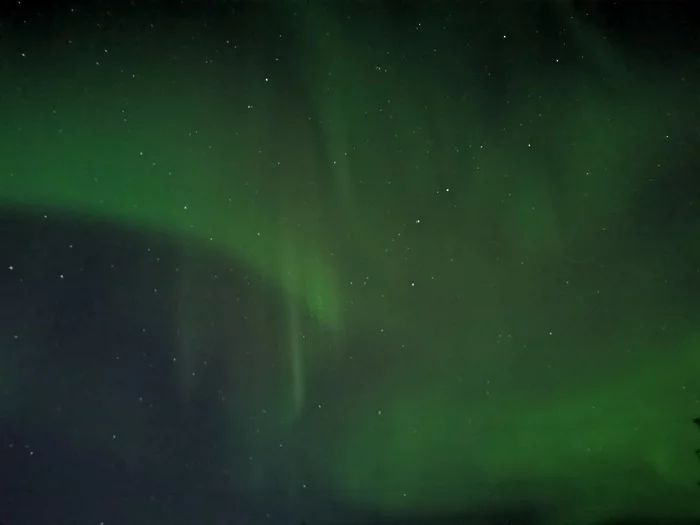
[349,262]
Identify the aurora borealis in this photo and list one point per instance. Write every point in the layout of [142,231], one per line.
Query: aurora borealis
[354,261]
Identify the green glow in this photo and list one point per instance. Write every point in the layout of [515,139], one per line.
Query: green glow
[426,446]
[464,254]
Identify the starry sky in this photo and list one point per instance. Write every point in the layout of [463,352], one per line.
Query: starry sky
[352,262]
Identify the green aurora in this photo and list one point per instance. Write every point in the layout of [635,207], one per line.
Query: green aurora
[474,289]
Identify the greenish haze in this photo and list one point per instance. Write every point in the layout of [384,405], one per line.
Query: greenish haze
[471,241]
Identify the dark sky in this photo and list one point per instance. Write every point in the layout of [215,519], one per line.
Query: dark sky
[349,262]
